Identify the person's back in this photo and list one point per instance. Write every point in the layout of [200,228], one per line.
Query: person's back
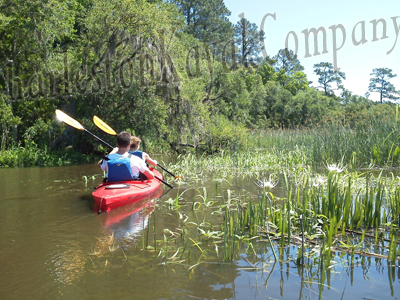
[121,165]
[135,144]
[137,153]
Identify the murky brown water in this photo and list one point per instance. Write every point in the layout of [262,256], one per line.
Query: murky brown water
[54,246]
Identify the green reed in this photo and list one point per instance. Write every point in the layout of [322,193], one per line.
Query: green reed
[393,253]
[344,203]
[317,212]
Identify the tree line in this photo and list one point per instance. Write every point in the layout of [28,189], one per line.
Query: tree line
[177,73]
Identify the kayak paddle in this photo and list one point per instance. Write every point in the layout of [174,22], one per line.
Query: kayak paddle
[74,123]
[103,125]
[106,128]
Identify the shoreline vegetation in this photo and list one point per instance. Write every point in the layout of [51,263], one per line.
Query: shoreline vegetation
[371,143]
[31,155]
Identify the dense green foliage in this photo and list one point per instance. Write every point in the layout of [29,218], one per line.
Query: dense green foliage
[176,73]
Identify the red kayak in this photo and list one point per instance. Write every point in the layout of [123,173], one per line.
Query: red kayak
[110,195]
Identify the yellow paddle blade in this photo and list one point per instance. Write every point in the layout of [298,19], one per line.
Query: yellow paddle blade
[63,117]
[103,126]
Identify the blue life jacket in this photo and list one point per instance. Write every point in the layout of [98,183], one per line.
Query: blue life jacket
[119,169]
[137,153]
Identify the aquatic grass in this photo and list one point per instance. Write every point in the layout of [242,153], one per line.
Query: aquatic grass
[353,247]
[340,204]
[204,197]
[392,253]
[316,213]
[86,179]
[210,234]
[173,204]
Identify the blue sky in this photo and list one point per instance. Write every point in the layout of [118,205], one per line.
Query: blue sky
[356,61]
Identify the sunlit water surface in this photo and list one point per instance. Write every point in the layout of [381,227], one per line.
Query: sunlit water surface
[53,245]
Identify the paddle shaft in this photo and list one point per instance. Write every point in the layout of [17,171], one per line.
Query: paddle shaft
[166,170]
[104,142]
[166,183]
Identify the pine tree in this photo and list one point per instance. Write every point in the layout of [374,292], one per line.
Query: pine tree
[327,76]
[206,20]
[380,83]
[247,38]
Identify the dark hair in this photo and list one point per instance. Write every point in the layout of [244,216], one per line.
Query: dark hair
[123,139]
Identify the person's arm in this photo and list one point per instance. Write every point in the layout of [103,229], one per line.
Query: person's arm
[115,150]
[148,159]
[103,164]
[149,174]
[141,165]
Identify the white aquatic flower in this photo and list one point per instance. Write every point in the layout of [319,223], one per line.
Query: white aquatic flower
[319,181]
[335,168]
[267,183]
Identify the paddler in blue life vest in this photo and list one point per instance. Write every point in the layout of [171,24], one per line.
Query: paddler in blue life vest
[135,144]
[121,165]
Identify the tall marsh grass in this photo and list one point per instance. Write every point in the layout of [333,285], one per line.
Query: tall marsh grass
[374,142]
[373,145]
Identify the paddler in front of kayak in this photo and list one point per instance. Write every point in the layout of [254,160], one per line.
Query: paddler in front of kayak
[121,165]
[135,144]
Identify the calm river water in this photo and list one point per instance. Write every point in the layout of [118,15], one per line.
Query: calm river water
[54,246]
